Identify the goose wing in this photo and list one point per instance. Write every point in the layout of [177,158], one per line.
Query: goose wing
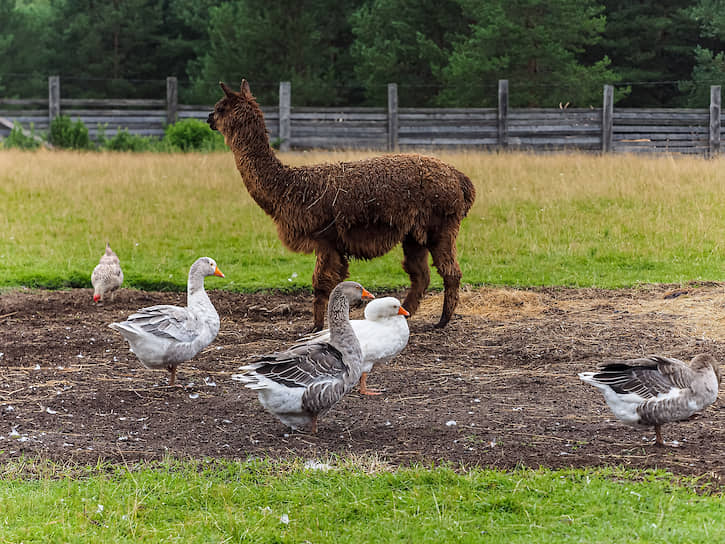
[301,366]
[647,377]
[165,321]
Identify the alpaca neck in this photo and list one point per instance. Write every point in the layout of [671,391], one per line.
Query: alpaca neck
[263,173]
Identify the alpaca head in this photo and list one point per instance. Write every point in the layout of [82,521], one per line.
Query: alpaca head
[234,109]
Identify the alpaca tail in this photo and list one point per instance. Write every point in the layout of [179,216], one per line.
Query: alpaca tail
[469,191]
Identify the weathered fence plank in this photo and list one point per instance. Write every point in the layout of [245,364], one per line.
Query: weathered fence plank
[172,99]
[53,97]
[285,107]
[503,111]
[393,117]
[607,118]
[715,124]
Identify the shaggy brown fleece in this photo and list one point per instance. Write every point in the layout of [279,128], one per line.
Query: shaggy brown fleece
[358,209]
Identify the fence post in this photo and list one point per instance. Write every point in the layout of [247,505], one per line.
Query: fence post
[392,116]
[285,118]
[607,118]
[714,140]
[53,97]
[503,113]
[172,99]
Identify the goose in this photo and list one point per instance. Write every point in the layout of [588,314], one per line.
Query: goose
[107,276]
[164,336]
[302,383]
[655,390]
[382,335]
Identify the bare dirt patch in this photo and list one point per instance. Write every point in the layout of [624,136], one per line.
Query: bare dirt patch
[504,370]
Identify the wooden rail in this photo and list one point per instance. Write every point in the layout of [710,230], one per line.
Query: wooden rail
[609,129]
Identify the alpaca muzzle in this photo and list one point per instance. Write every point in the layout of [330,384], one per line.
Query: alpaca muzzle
[210,120]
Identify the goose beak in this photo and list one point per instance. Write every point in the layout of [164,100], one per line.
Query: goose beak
[367,295]
[403,311]
[218,272]
[96,298]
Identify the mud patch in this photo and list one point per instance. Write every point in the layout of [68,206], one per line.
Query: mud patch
[498,387]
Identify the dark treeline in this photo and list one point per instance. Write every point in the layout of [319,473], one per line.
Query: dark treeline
[344,52]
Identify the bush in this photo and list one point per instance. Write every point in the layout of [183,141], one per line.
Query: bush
[67,134]
[123,140]
[18,139]
[193,135]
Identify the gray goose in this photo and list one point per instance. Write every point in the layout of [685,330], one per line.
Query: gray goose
[164,336]
[382,335]
[107,276]
[655,390]
[302,383]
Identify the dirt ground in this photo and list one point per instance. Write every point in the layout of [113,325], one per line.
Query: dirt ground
[497,388]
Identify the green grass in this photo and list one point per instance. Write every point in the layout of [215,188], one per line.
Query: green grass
[573,220]
[220,501]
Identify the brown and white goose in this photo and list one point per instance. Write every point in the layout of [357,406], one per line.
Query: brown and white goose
[107,276]
[656,390]
[382,334]
[164,336]
[302,383]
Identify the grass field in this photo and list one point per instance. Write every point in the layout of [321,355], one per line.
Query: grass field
[352,501]
[575,220]
[538,220]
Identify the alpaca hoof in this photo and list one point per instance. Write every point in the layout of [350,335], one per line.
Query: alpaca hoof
[442,323]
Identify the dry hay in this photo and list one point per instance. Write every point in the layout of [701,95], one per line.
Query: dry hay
[500,304]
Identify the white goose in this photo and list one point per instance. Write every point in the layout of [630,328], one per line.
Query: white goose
[302,383]
[382,334]
[107,276]
[656,390]
[164,336]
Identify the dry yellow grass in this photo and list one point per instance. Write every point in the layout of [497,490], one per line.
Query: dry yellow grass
[559,219]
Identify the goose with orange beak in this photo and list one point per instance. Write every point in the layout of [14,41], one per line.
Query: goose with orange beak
[164,336]
[383,334]
[303,382]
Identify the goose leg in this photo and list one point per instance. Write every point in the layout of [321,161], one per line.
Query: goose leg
[658,434]
[172,379]
[364,386]
[313,425]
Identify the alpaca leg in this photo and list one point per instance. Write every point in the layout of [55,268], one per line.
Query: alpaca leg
[415,263]
[444,259]
[330,269]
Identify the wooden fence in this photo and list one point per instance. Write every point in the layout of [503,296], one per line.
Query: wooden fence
[605,129]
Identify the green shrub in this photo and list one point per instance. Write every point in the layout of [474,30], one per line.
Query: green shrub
[69,135]
[123,140]
[193,135]
[18,139]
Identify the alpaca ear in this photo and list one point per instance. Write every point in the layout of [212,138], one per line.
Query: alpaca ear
[227,90]
[245,88]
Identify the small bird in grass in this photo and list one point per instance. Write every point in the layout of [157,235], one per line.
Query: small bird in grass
[164,336]
[302,383]
[107,275]
[382,334]
[655,390]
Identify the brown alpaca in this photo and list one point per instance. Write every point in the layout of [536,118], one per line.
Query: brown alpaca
[356,209]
